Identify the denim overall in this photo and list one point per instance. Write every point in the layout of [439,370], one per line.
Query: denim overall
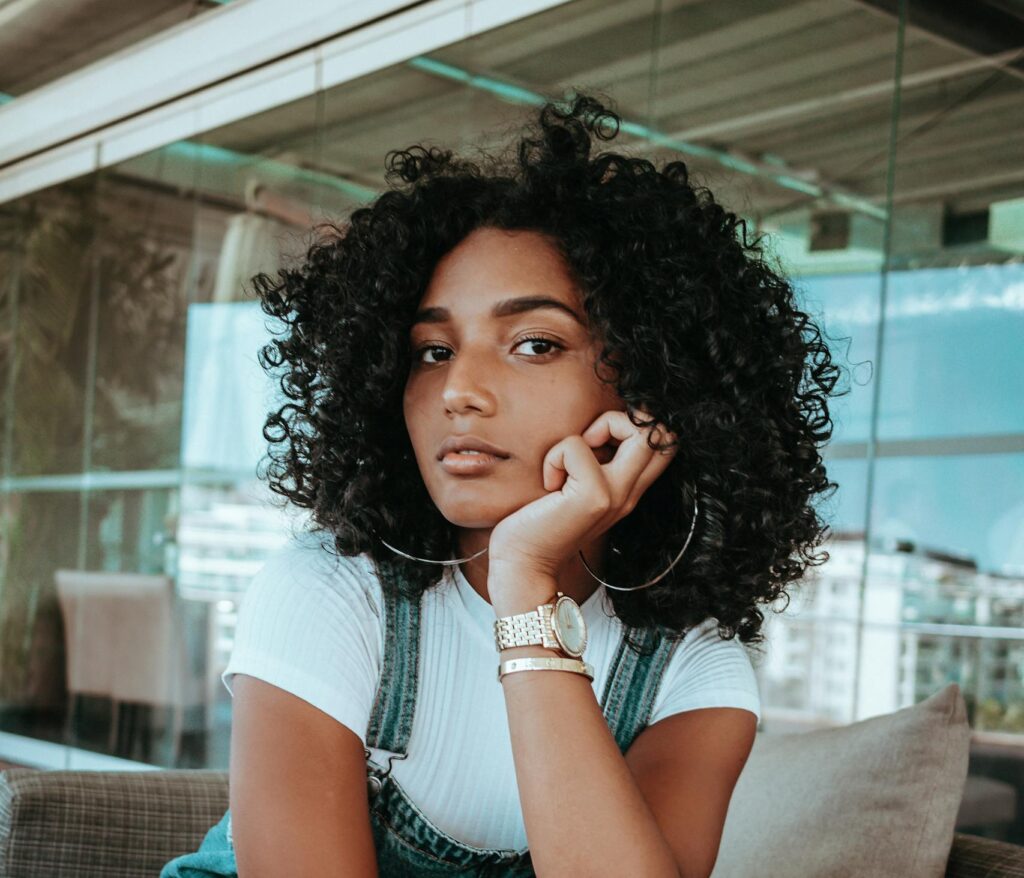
[407,843]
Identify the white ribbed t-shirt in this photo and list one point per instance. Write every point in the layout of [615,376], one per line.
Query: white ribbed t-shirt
[312,623]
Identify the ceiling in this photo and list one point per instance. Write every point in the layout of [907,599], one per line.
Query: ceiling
[760,98]
[775,104]
[42,40]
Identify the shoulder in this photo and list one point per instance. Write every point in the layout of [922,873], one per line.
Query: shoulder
[702,642]
[308,569]
[310,624]
[707,670]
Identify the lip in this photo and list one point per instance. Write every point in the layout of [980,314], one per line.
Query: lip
[473,443]
[469,464]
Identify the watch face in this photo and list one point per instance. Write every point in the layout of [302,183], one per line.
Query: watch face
[570,629]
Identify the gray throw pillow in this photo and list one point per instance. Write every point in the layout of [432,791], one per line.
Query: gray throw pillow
[877,797]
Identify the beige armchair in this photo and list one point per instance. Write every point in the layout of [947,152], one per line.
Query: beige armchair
[125,640]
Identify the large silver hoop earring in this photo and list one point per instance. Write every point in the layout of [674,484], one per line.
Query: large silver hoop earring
[429,560]
[661,575]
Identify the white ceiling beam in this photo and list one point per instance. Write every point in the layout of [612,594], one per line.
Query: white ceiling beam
[173,63]
[39,144]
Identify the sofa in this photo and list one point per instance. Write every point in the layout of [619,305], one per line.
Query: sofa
[878,797]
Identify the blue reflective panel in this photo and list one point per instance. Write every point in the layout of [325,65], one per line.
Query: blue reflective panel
[953,360]
[954,353]
[845,306]
[845,509]
[227,392]
[968,505]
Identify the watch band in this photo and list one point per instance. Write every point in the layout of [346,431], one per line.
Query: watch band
[532,663]
[532,628]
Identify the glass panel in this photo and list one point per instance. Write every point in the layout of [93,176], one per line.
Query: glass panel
[963,506]
[226,531]
[792,105]
[144,242]
[41,534]
[52,332]
[259,187]
[136,655]
[847,306]
[12,245]
[953,351]
[947,517]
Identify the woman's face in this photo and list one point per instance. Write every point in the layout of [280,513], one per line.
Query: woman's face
[474,373]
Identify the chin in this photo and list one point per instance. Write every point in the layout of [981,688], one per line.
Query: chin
[473,516]
[476,510]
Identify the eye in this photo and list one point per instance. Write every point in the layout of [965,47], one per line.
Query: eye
[540,339]
[417,355]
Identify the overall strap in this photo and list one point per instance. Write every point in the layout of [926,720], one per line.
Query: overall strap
[395,703]
[632,684]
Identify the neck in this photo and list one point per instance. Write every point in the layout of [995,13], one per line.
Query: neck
[573,578]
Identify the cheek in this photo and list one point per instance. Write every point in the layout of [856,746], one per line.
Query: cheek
[412,413]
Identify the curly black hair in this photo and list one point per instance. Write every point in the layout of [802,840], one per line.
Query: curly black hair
[697,329]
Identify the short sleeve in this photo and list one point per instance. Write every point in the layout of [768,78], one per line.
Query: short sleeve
[310,623]
[707,671]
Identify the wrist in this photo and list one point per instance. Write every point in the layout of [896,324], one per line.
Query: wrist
[516,589]
[533,651]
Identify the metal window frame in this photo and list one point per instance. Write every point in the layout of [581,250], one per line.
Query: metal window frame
[36,753]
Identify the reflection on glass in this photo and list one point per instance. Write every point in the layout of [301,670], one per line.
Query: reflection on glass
[969,506]
[224,535]
[953,351]
[848,306]
[40,534]
[927,619]
[144,238]
[134,653]
[227,394]
[56,273]
[12,232]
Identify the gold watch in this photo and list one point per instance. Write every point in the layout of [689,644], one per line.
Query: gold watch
[557,625]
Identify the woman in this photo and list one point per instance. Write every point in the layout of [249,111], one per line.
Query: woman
[552,409]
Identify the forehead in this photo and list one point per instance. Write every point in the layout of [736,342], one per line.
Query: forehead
[493,264]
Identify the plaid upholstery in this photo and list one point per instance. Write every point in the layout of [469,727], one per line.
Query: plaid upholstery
[127,824]
[114,824]
[973,857]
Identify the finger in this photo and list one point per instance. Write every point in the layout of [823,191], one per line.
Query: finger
[635,466]
[657,465]
[633,453]
[659,462]
[617,425]
[570,466]
[660,433]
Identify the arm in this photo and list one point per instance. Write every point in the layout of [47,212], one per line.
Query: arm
[584,813]
[658,811]
[686,766]
[298,792]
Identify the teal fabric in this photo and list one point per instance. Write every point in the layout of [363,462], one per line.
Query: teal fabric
[407,843]
[215,857]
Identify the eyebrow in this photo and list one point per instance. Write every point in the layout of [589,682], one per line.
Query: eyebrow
[504,308]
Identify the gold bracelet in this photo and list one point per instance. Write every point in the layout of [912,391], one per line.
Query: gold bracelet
[532,663]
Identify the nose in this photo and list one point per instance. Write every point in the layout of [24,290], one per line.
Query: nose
[467,383]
